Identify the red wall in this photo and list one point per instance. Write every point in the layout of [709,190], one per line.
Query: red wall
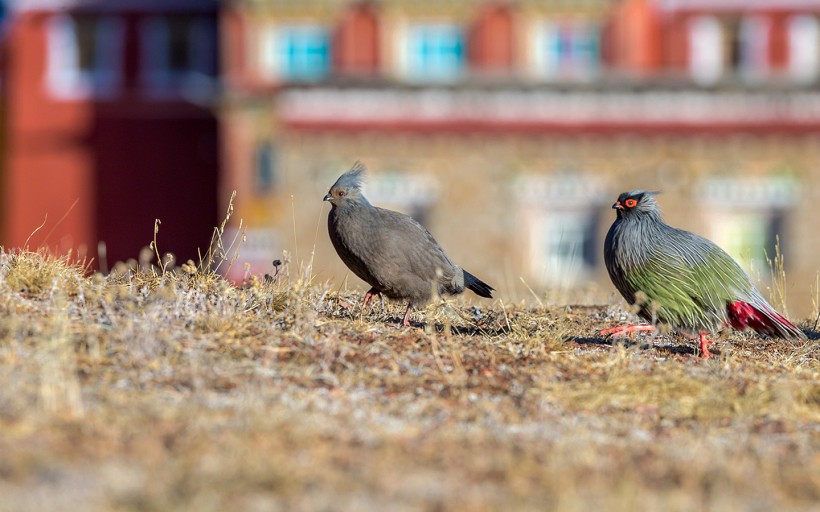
[47,167]
[356,41]
[124,162]
[491,42]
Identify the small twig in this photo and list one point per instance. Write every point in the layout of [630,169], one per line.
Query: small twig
[38,228]
[293,215]
[504,310]
[315,237]
[155,246]
[532,292]
[240,237]
[51,231]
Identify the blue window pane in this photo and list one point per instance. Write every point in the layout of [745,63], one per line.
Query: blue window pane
[304,53]
[564,44]
[572,50]
[435,52]
[586,48]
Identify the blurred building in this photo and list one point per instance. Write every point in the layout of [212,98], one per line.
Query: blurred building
[109,125]
[506,127]
[509,127]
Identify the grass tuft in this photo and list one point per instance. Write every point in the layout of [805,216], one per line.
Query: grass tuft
[36,273]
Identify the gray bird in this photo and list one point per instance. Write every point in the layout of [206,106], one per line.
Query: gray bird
[681,279]
[390,251]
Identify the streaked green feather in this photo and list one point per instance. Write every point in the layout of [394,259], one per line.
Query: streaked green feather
[688,292]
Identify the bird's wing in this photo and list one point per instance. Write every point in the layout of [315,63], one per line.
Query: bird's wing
[404,246]
[688,281]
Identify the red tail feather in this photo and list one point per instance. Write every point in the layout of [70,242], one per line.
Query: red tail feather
[742,315]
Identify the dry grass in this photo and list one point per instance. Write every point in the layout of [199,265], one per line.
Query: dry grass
[159,390]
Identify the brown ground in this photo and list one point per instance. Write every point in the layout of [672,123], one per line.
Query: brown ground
[143,391]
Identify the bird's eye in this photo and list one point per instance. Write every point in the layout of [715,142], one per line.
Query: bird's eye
[340,193]
[630,203]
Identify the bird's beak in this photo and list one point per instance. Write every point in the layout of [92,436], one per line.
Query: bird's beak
[328,197]
[618,205]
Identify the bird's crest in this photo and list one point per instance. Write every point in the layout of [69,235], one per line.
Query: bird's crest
[640,193]
[639,200]
[353,178]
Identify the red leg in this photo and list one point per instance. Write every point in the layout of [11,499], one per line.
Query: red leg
[626,330]
[369,296]
[406,321]
[704,350]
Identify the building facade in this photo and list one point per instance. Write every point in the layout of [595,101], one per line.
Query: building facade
[508,128]
[109,124]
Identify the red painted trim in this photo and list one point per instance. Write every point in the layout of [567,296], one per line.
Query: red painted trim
[517,127]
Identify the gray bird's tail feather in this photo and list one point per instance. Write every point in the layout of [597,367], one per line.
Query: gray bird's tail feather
[477,285]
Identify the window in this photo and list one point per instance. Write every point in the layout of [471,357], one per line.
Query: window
[561,214]
[84,56]
[745,236]
[753,47]
[562,246]
[804,48]
[746,214]
[257,250]
[413,194]
[178,54]
[296,52]
[567,50]
[705,50]
[434,52]
[265,167]
[738,46]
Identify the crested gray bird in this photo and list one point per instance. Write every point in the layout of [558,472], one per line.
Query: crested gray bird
[681,279]
[390,251]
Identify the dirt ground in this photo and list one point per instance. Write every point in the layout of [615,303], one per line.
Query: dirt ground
[164,391]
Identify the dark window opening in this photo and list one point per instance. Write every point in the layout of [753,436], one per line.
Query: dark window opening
[179,44]
[734,46]
[85,32]
[265,167]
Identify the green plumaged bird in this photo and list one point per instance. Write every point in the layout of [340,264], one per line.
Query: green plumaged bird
[680,279]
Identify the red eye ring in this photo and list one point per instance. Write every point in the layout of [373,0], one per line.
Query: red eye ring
[630,203]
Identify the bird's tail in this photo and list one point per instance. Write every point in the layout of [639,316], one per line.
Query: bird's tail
[763,319]
[477,285]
